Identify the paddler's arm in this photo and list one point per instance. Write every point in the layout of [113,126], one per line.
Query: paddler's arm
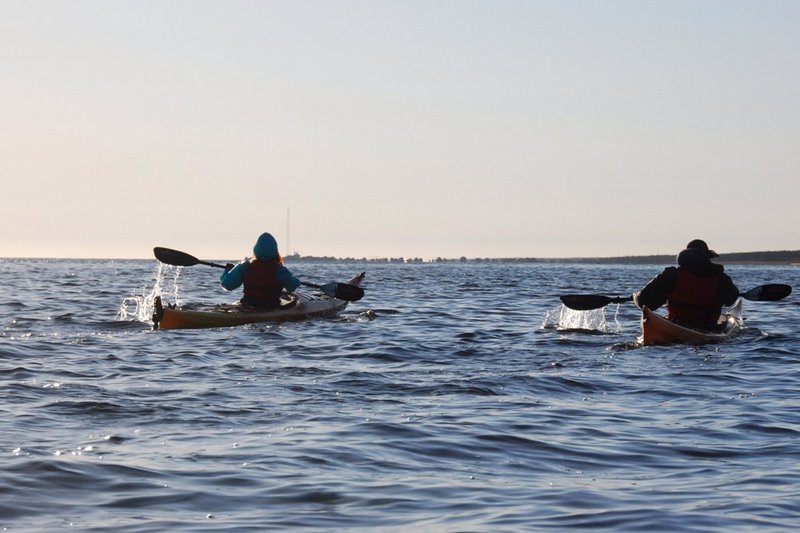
[728,292]
[287,279]
[233,278]
[654,294]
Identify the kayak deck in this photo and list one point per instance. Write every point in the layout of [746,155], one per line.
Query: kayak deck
[657,330]
[296,306]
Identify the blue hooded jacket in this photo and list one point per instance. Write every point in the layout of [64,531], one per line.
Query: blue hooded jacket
[266,247]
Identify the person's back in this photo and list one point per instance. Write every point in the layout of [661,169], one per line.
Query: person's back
[696,299]
[263,278]
[694,291]
[260,284]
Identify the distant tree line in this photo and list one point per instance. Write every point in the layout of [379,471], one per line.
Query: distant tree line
[779,257]
[786,257]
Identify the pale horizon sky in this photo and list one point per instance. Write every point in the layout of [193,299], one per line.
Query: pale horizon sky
[398,128]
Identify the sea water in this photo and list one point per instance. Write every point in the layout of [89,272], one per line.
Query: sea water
[453,397]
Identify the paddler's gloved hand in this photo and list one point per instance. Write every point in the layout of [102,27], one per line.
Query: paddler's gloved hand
[228,267]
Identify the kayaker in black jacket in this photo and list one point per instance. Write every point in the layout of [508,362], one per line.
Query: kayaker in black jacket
[694,291]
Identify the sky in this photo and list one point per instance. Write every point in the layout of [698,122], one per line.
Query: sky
[372,128]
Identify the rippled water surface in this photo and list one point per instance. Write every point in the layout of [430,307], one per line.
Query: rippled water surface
[453,397]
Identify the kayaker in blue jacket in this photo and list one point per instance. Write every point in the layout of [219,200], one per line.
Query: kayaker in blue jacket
[694,291]
[264,277]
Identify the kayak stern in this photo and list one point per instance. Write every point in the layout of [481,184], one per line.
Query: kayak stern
[657,330]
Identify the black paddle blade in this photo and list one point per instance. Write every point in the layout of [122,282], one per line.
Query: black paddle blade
[771,292]
[585,302]
[588,302]
[343,291]
[174,257]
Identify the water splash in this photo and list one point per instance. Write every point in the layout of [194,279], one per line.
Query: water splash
[563,318]
[140,307]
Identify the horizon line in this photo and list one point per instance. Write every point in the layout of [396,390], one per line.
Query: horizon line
[730,256]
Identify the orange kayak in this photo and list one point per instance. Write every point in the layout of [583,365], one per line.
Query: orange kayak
[658,330]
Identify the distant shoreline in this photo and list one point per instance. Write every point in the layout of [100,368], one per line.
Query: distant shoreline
[784,257]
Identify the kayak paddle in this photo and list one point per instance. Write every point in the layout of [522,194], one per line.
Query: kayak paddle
[587,302]
[771,292]
[341,291]
[181,259]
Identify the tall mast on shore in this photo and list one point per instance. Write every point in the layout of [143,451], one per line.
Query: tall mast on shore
[288,242]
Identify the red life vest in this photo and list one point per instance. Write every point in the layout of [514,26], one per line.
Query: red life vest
[261,285]
[695,300]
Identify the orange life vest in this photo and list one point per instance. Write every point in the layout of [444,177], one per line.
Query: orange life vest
[695,300]
[261,285]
